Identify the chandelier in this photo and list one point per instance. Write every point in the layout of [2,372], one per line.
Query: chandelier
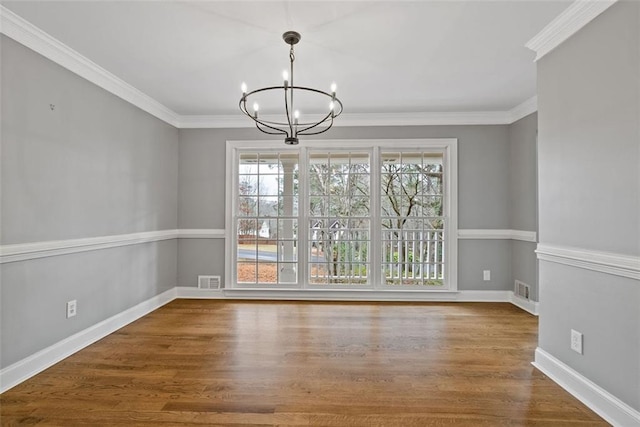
[289,123]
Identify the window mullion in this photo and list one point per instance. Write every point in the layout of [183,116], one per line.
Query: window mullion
[375,274]
[303,218]
[231,244]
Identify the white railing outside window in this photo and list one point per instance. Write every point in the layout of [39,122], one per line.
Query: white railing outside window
[413,257]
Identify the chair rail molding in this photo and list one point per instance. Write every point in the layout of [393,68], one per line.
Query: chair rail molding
[201,233]
[497,234]
[604,262]
[34,250]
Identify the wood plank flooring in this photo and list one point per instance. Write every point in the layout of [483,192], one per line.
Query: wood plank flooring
[230,363]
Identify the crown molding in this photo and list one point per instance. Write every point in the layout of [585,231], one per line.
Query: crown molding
[34,38]
[569,22]
[363,119]
[523,110]
[424,119]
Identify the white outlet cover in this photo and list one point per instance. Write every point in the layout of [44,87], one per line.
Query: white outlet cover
[71,308]
[486,275]
[576,341]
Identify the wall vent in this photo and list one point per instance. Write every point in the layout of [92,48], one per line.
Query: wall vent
[522,290]
[209,282]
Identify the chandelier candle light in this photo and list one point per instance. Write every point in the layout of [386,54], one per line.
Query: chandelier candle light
[294,125]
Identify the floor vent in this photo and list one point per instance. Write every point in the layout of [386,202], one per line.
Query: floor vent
[522,290]
[209,282]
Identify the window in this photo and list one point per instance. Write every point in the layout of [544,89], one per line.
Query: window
[343,214]
[338,184]
[412,220]
[266,218]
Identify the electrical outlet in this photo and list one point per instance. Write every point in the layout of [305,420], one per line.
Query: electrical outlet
[72,307]
[486,275]
[576,341]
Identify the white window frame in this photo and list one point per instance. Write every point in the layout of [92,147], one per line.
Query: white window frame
[448,147]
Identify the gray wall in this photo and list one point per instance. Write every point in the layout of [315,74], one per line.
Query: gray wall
[483,190]
[93,166]
[523,212]
[483,167]
[589,190]
[523,206]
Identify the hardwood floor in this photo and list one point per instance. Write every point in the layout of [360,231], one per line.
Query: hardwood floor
[222,363]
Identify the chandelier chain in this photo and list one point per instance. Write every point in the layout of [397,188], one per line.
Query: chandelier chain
[292,57]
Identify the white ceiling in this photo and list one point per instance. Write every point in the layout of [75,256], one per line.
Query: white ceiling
[385,56]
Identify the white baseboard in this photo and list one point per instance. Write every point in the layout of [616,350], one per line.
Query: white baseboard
[603,403]
[197,293]
[343,295]
[338,295]
[525,304]
[24,369]
[484,296]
